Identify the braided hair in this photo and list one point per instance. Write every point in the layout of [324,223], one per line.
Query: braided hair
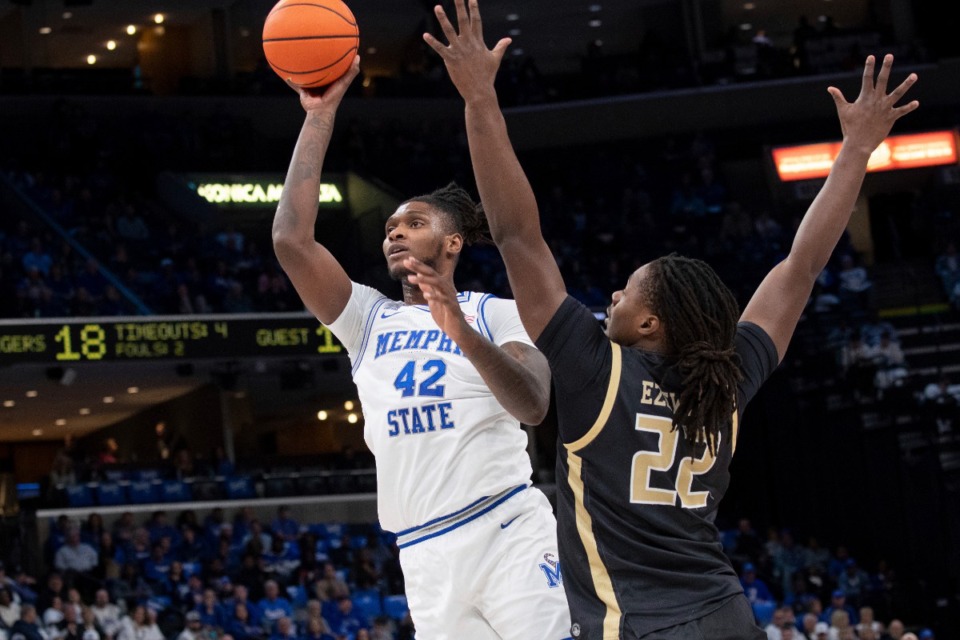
[467,216]
[699,315]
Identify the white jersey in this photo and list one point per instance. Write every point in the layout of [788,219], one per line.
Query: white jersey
[441,440]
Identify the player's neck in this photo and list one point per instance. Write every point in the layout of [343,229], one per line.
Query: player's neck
[412,294]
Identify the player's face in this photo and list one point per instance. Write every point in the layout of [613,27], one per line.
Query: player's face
[627,309]
[415,230]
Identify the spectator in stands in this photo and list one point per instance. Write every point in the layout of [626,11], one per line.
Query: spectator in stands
[140,625]
[240,624]
[940,404]
[130,588]
[284,629]
[755,589]
[211,613]
[157,566]
[54,588]
[895,630]
[251,574]
[192,548]
[256,536]
[9,610]
[838,602]
[330,586]
[285,526]
[108,615]
[781,616]
[124,528]
[273,605]
[891,364]
[159,527]
[27,627]
[90,628]
[867,621]
[75,556]
[344,619]
[808,627]
[193,627]
[21,588]
[241,597]
[281,559]
[317,629]
[854,282]
[53,614]
[853,582]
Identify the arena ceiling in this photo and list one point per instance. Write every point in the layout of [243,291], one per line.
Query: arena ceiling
[554,33]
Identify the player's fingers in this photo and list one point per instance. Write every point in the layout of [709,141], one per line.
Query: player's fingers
[867,82]
[339,87]
[903,87]
[501,48]
[463,20]
[884,76]
[435,44]
[837,96]
[907,108]
[476,23]
[445,25]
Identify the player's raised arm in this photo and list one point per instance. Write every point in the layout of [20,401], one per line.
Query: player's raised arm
[778,302]
[504,190]
[322,283]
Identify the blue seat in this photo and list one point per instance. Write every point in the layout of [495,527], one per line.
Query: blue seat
[110,494]
[763,611]
[143,492]
[239,488]
[358,541]
[367,602]
[175,491]
[395,606]
[115,475]
[147,474]
[190,568]
[79,495]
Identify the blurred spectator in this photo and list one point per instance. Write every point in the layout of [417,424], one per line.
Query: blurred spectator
[9,610]
[755,589]
[75,555]
[273,605]
[27,626]
[210,611]
[284,526]
[284,630]
[853,582]
[867,621]
[140,625]
[838,603]
[193,627]
[240,625]
[317,629]
[108,615]
[947,267]
[330,586]
[854,282]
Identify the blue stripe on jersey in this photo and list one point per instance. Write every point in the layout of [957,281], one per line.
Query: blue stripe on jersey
[484,329]
[460,523]
[442,518]
[367,330]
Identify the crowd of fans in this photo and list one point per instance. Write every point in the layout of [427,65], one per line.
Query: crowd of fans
[244,579]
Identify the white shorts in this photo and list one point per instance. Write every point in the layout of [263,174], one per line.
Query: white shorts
[497,576]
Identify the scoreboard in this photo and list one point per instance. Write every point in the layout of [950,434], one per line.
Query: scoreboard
[139,338]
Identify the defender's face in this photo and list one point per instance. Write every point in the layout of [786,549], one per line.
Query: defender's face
[626,309]
[415,230]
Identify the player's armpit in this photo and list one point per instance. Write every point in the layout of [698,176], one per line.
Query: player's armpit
[535,280]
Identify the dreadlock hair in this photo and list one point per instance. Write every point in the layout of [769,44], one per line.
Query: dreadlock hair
[699,315]
[467,216]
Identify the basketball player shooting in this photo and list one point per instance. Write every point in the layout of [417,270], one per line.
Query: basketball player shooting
[445,379]
[648,409]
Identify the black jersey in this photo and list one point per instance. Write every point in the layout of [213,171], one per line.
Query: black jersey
[636,501]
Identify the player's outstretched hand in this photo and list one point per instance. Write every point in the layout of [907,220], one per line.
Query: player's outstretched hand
[441,297]
[327,98]
[868,120]
[471,65]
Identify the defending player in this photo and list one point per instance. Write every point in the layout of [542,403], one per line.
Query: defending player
[444,389]
[649,409]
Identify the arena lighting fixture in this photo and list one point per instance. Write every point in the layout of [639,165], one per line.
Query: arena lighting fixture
[108,400]
[131,29]
[352,418]
[37,432]
[594,8]
[514,32]
[91,59]
[512,17]
[746,26]
[158,18]
[371,50]
[518,51]
[749,6]
[45,31]
[32,393]
[60,422]
[85,411]
[595,23]
[9,403]
[348,405]
[321,415]
[111,45]
[133,390]
[67,15]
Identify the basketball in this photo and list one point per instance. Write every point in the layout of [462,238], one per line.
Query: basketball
[310,43]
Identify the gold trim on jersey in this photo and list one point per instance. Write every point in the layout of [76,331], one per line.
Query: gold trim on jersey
[602,584]
[612,387]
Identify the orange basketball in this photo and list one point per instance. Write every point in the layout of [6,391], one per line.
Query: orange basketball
[310,42]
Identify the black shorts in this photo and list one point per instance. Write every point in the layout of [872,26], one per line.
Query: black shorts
[733,621]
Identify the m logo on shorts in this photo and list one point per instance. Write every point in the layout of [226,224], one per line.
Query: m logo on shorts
[551,569]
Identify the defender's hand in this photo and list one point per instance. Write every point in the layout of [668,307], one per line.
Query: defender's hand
[471,65]
[868,120]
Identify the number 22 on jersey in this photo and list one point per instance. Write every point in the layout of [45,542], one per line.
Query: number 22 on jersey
[645,463]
